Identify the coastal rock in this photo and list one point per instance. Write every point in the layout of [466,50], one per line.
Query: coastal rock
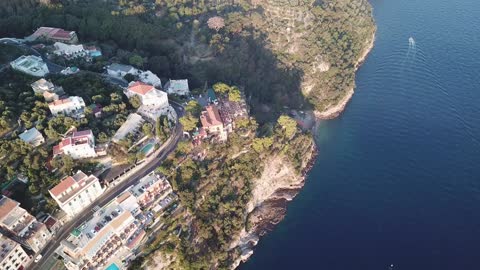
[278,185]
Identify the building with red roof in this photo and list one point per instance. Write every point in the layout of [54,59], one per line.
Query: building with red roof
[54,34]
[79,145]
[21,226]
[74,193]
[148,94]
[72,106]
[211,120]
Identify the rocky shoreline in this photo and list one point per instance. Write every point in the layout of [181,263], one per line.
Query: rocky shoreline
[335,110]
[267,211]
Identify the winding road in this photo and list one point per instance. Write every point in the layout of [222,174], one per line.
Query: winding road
[110,194]
[148,166]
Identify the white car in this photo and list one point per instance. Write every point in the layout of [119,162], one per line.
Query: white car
[37,259]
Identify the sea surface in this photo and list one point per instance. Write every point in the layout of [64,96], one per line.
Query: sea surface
[397,179]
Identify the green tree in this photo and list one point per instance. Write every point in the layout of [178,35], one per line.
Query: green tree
[135,101]
[100,99]
[189,122]
[234,94]
[194,108]
[262,144]
[129,77]
[221,88]
[288,124]
[136,60]
[63,163]
[147,129]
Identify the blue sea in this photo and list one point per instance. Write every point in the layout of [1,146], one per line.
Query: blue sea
[397,179]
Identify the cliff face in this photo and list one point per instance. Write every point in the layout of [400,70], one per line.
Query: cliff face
[278,184]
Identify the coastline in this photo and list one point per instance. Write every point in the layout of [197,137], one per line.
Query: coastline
[267,211]
[335,110]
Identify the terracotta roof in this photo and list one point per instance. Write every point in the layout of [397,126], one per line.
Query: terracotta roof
[57,149]
[6,206]
[59,102]
[65,184]
[62,34]
[82,133]
[211,117]
[140,88]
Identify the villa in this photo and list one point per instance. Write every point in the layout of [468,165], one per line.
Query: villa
[79,145]
[32,136]
[42,85]
[53,34]
[68,50]
[212,122]
[148,94]
[154,102]
[72,106]
[31,65]
[177,87]
[75,193]
[47,89]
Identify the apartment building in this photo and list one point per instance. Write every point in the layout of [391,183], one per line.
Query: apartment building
[74,193]
[12,255]
[22,227]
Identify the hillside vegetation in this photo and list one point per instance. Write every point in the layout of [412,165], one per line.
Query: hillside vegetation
[284,53]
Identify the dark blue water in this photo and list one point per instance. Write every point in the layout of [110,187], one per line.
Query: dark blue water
[397,180]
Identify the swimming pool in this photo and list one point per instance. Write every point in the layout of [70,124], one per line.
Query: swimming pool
[112,266]
[147,148]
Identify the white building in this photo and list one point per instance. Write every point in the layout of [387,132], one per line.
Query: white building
[109,236]
[151,78]
[12,255]
[80,145]
[150,188]
[119,70]
[42,85]
[71,106]
[148,94]
[30,64]
[75,193]
[23,227]
[132,124]
[32,136]
[177,87]
[69,51]
[47,89]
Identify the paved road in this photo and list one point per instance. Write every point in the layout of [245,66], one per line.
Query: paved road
[85,215]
